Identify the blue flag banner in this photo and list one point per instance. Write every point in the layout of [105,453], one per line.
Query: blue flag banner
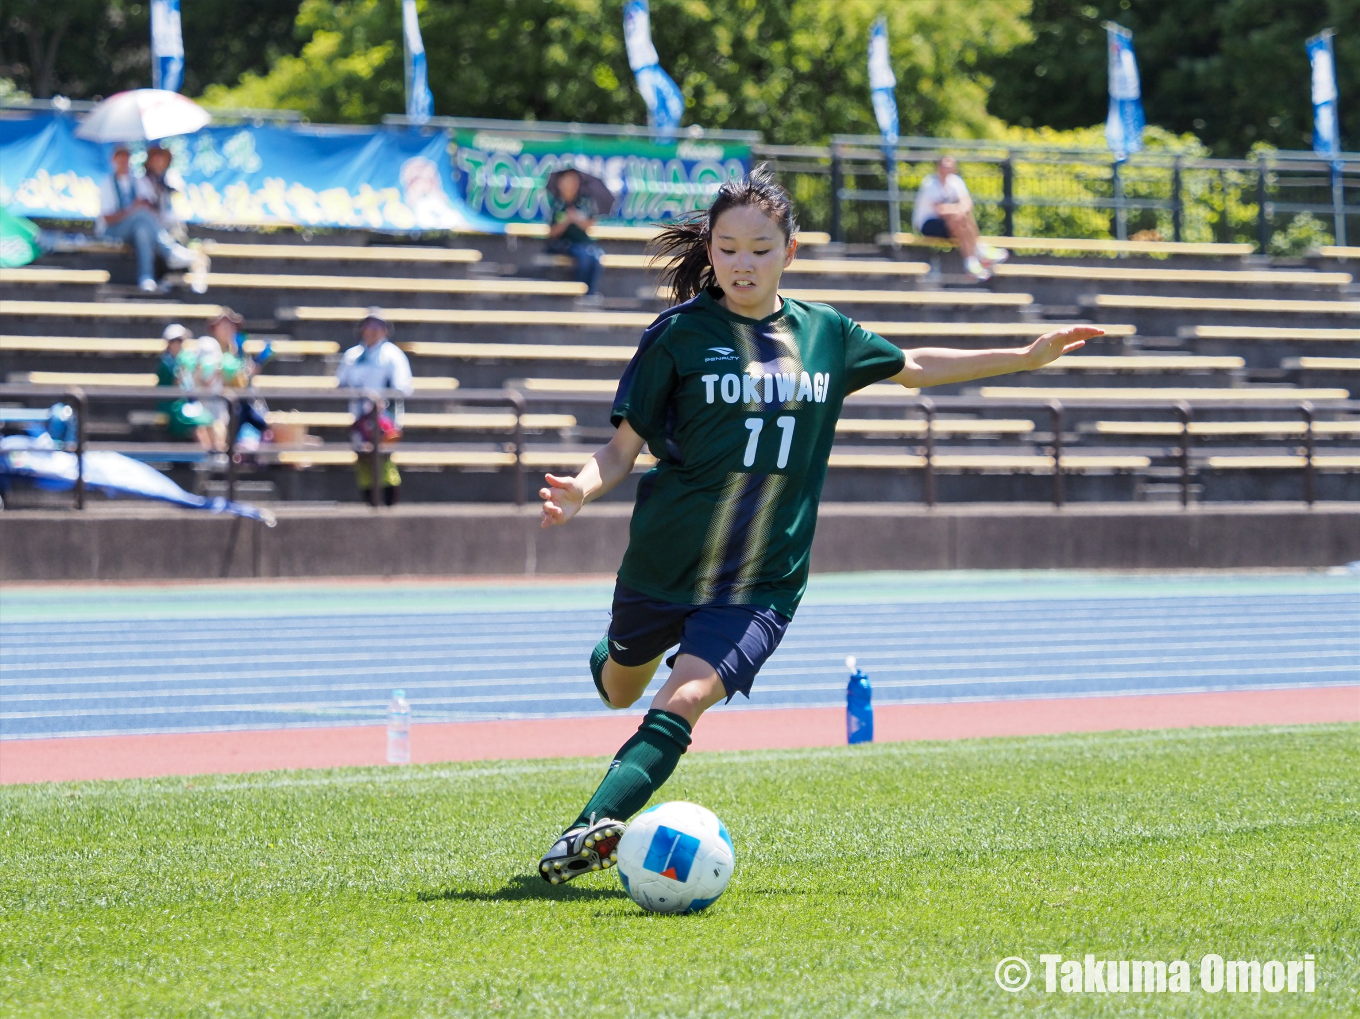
[1124,125]
[1326,130]
[419,100]
[167,46]
[882,81]
[665,102]
[244,175]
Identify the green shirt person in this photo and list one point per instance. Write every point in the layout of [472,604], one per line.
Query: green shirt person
[736,391]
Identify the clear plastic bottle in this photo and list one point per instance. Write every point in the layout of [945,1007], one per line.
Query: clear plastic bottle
[398,729]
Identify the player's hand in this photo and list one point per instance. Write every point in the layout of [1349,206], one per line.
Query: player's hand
[562,500]
[1051,346]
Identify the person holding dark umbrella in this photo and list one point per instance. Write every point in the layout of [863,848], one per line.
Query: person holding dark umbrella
[575,204]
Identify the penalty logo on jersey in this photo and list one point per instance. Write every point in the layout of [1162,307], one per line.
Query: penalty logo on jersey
[671,853]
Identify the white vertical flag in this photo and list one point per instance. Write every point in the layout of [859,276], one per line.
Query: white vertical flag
[419,100]
[1326,133]
[665,102]
[167,46]
[1124,124]
[882,81]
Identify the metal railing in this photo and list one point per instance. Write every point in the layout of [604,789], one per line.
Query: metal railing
[927,408]
[846,189]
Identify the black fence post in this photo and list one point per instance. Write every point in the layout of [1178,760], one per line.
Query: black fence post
[233,427]
[837,183]
[1056,410]
[82,412]
[517,401]
[1008,193]
[1309,492]
[1262,217]
[928,406]
[1184,412]
[1119,225]
[375,452]
[1177,201]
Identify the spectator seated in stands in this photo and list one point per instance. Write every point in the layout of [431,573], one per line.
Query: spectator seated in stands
[572,214]
[944,208]
[375,363]
[185,416]
[235,368]
[129,211]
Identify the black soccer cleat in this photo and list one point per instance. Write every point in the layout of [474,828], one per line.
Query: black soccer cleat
[581,851]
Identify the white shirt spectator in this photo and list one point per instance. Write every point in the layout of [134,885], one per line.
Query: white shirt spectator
[117,193]
[933,193]
[381,366]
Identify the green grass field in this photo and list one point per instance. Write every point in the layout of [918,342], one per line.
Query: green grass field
[871,881]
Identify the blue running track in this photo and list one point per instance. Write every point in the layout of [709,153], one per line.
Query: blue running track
[176,658]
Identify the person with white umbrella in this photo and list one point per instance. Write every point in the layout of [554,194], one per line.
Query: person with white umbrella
[131,207]
[128,213]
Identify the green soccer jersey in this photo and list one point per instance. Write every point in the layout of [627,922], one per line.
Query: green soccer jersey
[740,415]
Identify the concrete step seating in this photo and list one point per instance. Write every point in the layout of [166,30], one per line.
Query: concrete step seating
[1285,333]
[1240,306]
[393,254]
[159,311]
[1030,463]
[1328,364]
[916,427]
[151,346]
[36,274]
[1133,274]
[395,284]
[480,421]
[1339,251]
[879,267]
[1229,429]
[1075,394]
[124,380]
[635,234]
[905,298]
[1053,245]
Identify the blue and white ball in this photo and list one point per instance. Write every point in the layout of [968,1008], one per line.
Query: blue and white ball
[676,858]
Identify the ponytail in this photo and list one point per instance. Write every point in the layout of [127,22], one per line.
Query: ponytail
[684,243]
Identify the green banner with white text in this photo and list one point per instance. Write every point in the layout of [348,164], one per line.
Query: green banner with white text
[504,175]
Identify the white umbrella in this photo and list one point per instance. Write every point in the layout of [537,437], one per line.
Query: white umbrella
[142,114]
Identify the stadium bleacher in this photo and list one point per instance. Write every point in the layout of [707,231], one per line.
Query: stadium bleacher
[486,313]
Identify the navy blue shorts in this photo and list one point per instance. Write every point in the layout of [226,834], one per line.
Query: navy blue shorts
[734,639]
[934,227]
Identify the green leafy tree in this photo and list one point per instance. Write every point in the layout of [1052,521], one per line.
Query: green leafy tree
[793,69]
[1232,71]
[91,48]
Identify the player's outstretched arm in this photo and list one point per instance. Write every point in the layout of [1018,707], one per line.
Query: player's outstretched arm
[564,497]
[938,366]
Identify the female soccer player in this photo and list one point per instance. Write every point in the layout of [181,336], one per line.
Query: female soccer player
[736,392]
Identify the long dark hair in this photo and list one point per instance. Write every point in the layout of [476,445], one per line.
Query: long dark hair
[684,242]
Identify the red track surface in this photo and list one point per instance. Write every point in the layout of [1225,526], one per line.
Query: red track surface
[103,757]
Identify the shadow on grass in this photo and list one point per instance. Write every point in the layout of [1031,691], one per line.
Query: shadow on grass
[521,887]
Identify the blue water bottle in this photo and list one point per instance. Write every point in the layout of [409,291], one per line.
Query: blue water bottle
[859,708]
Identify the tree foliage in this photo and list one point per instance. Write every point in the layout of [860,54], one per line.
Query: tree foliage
[89,48]
[1232,71]
[793,69]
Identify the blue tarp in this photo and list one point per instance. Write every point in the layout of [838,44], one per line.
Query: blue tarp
[36,459]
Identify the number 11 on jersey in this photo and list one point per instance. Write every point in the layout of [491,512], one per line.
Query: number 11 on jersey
[755,426]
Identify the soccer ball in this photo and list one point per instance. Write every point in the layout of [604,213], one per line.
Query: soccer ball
[676,858]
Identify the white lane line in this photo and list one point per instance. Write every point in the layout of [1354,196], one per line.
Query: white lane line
[376,706]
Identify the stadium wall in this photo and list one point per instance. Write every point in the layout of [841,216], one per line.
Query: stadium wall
[124,543]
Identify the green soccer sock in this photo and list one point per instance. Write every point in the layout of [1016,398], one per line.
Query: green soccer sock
[639,768]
